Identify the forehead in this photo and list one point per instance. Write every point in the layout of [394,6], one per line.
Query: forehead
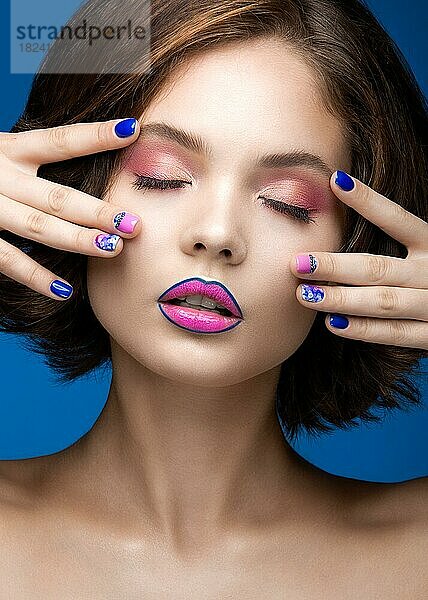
[252,96]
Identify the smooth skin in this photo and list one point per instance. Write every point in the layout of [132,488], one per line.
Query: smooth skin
[185,488]
[50,213]
[395,292]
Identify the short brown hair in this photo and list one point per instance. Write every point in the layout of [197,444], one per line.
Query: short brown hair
[365,82]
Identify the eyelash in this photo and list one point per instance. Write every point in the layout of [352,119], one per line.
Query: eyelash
[296,212]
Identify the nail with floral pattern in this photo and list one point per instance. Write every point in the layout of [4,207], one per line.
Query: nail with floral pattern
[311,293]
[107,241]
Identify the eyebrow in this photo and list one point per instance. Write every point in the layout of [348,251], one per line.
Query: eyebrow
[195,143]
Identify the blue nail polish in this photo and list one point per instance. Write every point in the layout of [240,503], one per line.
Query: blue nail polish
[61,289]
[344,181]
[339,321]
[311,293]
[125,128]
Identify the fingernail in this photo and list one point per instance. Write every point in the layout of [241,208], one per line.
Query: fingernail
[61,289]
[125,128]
[125,222]
[107,241]
[306,263]
[339,321]
[311,293]
[344,181]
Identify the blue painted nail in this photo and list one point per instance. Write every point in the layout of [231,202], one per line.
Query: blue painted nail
[311,293]
[125,128]
[339,321]
[61,289]
[344,181]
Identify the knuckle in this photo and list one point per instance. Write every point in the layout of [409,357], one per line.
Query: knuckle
[3,140]
[7,257]
[33,275]
[58,196]
[340,299]
[399,214]
[81,240]
[103,134]
[365,194]
[364,329]
[36,222]
[399,332]
[58,137]
[7,140]
[386,300]
[329,265]
[378,269]
[4,143]
[103,215]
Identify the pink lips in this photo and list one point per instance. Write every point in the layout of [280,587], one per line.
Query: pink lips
[195,286]
[200,320]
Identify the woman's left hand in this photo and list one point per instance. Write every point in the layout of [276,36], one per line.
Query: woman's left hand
[389,303]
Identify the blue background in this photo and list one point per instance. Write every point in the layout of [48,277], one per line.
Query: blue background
[38,416]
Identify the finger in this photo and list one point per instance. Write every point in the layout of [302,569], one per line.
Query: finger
[68,203]
[393,219]
[36,225]
[362,269]
[53,144]
[382,301]
[409,334]
[20,267]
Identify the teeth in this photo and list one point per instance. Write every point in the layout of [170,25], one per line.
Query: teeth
[200,300]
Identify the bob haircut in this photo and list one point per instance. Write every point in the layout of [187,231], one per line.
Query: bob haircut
[365,82]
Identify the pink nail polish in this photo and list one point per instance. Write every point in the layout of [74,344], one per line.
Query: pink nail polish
[306,263]
[125,222]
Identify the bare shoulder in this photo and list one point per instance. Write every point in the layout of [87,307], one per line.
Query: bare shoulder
[404,504]
[15,485]
[412,494]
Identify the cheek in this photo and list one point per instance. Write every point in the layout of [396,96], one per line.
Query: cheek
[277,322]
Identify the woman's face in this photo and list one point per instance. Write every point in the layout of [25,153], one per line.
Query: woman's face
[243,101]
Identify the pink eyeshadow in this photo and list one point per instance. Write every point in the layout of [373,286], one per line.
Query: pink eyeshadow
[297,190]
[158,159]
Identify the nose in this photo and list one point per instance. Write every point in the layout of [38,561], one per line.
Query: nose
[214,244]
[199,246]
[215,231]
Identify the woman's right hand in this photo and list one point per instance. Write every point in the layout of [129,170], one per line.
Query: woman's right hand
[50,213]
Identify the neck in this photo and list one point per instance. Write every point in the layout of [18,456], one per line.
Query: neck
[190,462]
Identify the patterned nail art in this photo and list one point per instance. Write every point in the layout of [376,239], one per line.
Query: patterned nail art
[311,293]
[306,263]
[125,222]
[107,241]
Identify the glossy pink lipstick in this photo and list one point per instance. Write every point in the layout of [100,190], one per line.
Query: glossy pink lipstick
[200,319]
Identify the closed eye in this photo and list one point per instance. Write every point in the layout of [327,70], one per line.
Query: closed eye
[143,182]
[299,213]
